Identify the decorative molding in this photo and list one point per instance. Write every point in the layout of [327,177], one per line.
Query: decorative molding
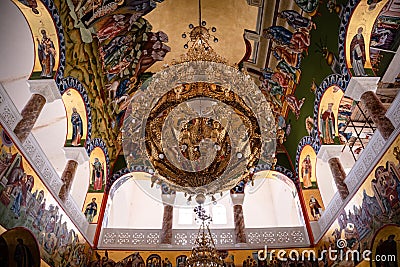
[359,85]
[330,214]
[45,170]
[76,214]
[367,158]
[326,152]
[237,199]
[393,112]
[9,114]
[79,154]
[182,239]
[46,88]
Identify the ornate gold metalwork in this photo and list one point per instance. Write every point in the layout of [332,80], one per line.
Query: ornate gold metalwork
[194,132]
[200,49]
[203,251]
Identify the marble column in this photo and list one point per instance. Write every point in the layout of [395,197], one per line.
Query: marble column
[331,154]
[29,114]
[338,176]
[363,89]
[240,234]
[42,91]
[75,156]
[67,177]
[377,111]
[166,232]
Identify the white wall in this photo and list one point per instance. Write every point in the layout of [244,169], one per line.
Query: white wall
[270,203]
[325,181]
[133,208]
[16,44]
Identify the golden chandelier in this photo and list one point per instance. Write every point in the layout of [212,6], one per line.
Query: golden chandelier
[201,126]
[204,253]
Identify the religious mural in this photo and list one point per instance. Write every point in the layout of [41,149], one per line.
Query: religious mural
[46,42]
[384,34]
[358,38]
[18,247]
[345,110]
[279,80]
[386,246]
[97,181]
[375,205]
[98,171]
[76,118]
[309,185]
[26,202]
[328,114]
[290,47]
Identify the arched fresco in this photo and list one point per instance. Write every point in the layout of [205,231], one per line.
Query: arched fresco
[22,248]
[309,183]
[97,182]
[44,34]
[358,37]
[77,130]
[328,114]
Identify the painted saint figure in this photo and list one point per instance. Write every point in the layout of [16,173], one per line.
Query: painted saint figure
[77,128]
[32,4]
[315,207]
[328,125]
[97,175]
[47,54]
[91,210]
[357,53]
[22,255]
[306,171]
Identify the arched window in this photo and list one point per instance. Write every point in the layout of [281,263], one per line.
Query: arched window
[219,214]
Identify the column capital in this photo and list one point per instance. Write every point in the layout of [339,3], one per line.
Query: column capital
[46,88]
[168,199]
[327,152]
[78,154]
[359,85]
[237,199]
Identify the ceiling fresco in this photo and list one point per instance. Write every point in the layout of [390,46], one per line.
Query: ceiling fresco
[300,54]
[111,48]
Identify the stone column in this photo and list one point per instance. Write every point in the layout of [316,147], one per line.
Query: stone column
[42,91]
[29,114]
[331,154]
[75,156]
[67,177]
[166,232]
[338,176]
[377,112]
[363,89]
[240,234]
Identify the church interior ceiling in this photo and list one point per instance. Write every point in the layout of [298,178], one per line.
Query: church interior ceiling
[300,55]
[288,47]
